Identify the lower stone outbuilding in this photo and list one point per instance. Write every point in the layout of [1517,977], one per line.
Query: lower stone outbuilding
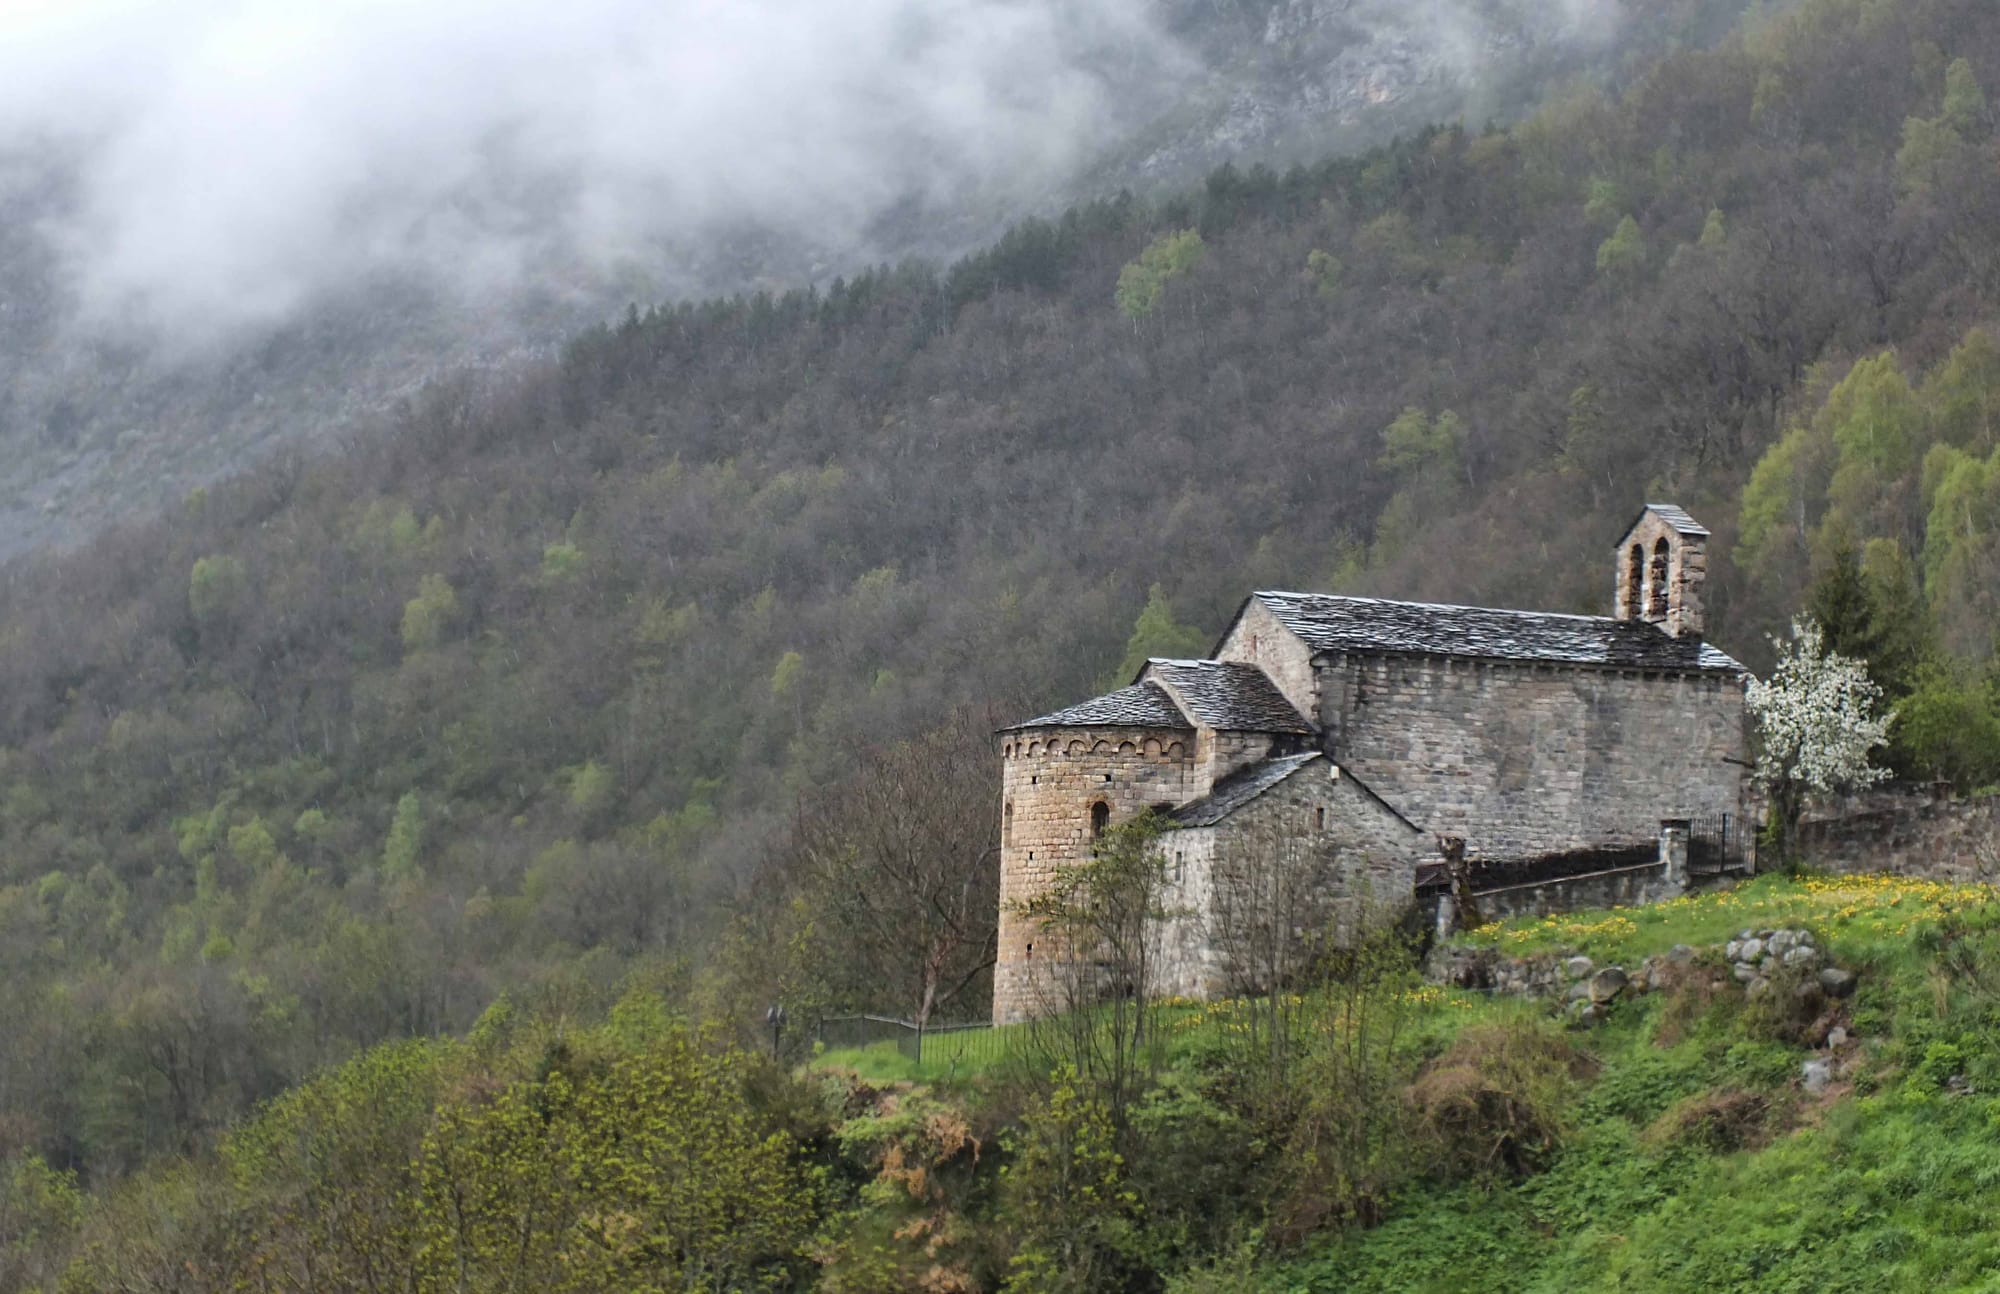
[1275,865]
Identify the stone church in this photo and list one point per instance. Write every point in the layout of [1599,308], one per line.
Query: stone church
[1346,737]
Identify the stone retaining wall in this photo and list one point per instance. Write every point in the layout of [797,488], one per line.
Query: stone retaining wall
[1907,833]
[1614,887]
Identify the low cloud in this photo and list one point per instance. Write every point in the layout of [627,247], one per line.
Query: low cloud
[229,161]
[222,163]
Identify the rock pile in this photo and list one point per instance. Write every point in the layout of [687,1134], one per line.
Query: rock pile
[1754,957]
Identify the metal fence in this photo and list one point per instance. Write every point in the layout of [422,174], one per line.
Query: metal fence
[1716,845]
[945,1046]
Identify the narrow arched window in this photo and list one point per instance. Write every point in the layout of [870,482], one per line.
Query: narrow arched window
[1657,584]
[1007,824]
[1635,582]
[1100,819]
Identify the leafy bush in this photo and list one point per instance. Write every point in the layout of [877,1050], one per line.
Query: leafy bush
[1197,1167]
[1947,730]
[1067,1197]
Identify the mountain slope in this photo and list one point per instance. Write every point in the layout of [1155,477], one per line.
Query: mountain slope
[109,411]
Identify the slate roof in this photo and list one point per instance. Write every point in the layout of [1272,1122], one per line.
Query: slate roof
[1675,516]
[1143,705]
[1229,695]
[1239,789]
[1329,623]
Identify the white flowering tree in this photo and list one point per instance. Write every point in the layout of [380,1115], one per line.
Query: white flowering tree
[1818,720]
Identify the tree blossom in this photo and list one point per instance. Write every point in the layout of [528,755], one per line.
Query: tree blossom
[1818,718]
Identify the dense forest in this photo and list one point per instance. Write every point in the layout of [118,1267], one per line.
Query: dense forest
[562,681]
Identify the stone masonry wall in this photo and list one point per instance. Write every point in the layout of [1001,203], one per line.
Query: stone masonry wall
[1185,964]
[1910,834]
[1223,753]
[1050,779]
[1332,855]
[1625,887]
[1523,760]
[1259,639]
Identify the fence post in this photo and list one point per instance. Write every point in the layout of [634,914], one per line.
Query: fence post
[1674,834]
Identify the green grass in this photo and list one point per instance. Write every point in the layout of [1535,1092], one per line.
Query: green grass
[1887,1187]
[1885,1183]
[1858,916]
[948,1057]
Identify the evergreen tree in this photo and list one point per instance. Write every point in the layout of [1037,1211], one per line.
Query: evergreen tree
[403,849]
[1157,633]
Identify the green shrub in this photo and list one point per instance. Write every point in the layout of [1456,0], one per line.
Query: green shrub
[1197,1167]
[1947,731]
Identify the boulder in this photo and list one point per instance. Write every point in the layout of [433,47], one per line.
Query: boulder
[1836,1037]
[1680,954]
[1744,972]
[1800,955]
[1836,982]
[1583,1012]
[1607,984]
[1815,1074]
[1578,967]
[1733,950]
[1751,950]
[1779,943]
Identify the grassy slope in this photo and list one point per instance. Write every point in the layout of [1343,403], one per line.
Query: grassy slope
[1885,1183]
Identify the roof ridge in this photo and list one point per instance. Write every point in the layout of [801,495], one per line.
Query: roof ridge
[1449,606]
[1345,622]
[1263,776]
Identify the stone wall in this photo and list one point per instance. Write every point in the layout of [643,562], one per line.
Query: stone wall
[1524,760]
[1221,753]
[1313,857]
[1050,778]
[1907,833]
[1258,638]
[1614,887]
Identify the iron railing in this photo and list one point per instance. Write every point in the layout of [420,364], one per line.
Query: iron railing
[1715,844]
[952,1046]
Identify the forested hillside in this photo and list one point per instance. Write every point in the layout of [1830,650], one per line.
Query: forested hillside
[523,691]
[197,268]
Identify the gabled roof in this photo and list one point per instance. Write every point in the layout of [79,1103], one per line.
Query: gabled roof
[1675,516]
[1326,623]
[1143,705]
[1239,789]
[1229,695]
[1244,786]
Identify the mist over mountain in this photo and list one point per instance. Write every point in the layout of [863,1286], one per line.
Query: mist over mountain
[224,229]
